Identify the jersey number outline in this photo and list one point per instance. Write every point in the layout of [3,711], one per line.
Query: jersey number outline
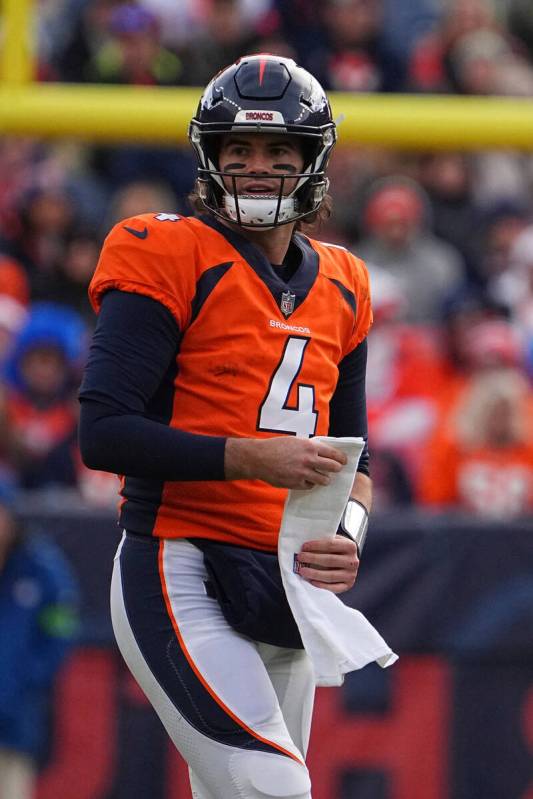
[275,414]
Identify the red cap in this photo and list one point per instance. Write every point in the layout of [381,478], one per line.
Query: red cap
[13,280]
[492,343]
[394,203]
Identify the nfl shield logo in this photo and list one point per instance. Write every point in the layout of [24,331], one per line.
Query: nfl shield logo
[287,303]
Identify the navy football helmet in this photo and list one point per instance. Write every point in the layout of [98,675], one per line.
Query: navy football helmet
[263,94]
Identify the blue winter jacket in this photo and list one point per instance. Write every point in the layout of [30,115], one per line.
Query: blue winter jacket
[38,623]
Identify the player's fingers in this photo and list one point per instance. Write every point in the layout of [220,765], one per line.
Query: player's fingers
[310,571]
[320,472]
[327,466]
[323,463]
[328,452]
[321,560]
[337,544]
[332,579]
[336,572]
[311,478]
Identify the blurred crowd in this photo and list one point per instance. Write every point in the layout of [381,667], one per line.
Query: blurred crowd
[447,236]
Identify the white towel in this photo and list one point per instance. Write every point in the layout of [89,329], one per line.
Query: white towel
[337,638]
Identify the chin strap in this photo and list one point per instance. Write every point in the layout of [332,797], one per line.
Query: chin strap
[260,211]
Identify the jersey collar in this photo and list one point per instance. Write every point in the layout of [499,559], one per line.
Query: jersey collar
[301,281]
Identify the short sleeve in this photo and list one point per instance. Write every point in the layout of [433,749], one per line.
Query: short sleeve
[143,256]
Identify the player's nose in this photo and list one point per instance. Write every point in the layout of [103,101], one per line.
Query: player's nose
[258,162]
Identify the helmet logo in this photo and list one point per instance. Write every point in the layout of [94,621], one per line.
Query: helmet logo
[287,303]
[262,67]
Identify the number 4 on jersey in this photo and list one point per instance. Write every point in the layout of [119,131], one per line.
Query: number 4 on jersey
[275,414]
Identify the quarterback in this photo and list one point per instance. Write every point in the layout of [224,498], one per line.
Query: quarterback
[225,343]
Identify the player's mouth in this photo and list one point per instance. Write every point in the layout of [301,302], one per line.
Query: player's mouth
[258,188]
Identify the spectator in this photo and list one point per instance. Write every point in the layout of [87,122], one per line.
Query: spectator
[481,457]
[406,374]
[133,53]
[73,272]
[38,622]
[430,68]
[41,376]
[352,53]
[464,312]
[225,38]
[448,178]
[500,225]
[140,197]
[47,215]
[88,34]
[404,24]
[352,171]
[54,23]
[396,237]
[483,63]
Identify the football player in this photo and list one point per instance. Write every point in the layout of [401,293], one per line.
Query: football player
[225,342]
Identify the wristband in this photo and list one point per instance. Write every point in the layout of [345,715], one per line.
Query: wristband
[354,523]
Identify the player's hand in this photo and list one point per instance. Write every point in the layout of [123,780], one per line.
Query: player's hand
[283,461]
[329,563]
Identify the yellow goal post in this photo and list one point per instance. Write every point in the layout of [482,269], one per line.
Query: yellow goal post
[161,115]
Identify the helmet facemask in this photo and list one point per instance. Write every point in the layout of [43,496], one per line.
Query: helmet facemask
[218,189]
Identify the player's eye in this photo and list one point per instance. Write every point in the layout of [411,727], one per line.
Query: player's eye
[238,149]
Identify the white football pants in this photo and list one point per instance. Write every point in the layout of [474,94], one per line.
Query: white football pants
[238,711]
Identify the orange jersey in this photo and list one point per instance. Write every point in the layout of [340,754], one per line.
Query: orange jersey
[257,357]
[481,480]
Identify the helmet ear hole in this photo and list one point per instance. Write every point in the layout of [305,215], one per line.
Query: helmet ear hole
[213,143]
[309,152]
